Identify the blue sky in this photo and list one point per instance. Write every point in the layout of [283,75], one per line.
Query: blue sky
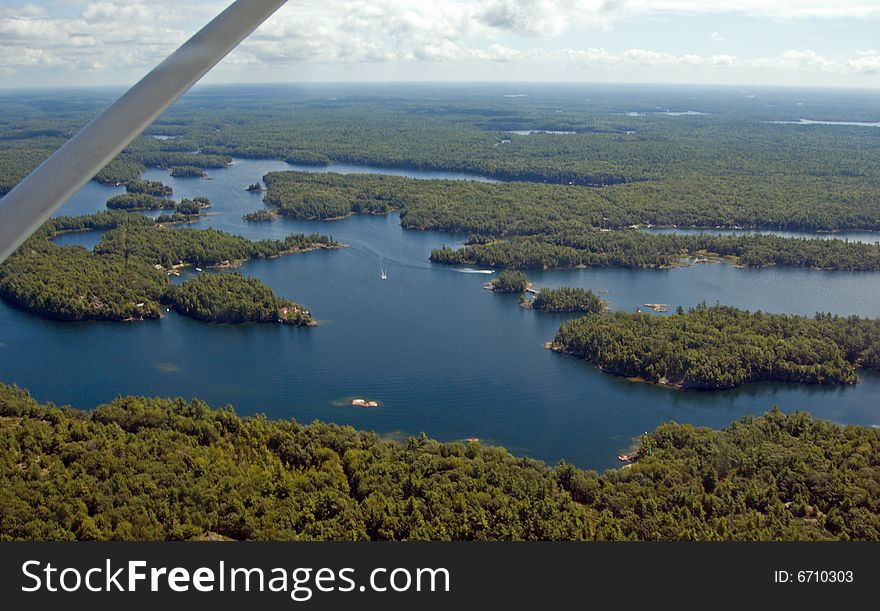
[781,42]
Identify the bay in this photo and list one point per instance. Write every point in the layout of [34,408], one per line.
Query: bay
[438,352]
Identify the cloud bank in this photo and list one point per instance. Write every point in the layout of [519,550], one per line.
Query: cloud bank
[105,40]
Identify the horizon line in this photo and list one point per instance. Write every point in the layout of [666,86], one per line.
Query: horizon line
[472,83]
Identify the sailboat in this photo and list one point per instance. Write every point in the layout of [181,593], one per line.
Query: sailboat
[384,275]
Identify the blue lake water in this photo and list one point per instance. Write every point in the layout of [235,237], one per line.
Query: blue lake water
[440,353]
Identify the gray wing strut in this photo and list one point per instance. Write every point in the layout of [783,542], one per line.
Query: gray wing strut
[42,192]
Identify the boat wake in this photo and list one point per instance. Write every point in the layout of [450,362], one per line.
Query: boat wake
[468,270]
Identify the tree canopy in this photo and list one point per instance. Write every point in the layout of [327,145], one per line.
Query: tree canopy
[124,278]
[233,298]
[510,282]
[714,347]
[147,469]
[567,299]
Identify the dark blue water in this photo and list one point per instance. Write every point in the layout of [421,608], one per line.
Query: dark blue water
[441,354]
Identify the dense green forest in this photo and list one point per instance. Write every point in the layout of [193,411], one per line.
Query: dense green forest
[71,283]
[200,247]
[134,161]
[106,219]
[329,195]
[510,282]
[523,208]
[638,249]
[567,299]
[723,347]
[192,207]
[143,201]
[140,201]
[727,167]
[148,469]
[120,280]
[232,298]
[259,216]
[187,171]
[149,187]
[558,221]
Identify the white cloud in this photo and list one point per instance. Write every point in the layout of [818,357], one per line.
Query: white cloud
[805,59]
[865,62]
[547,17]
[114,39]
[762,8]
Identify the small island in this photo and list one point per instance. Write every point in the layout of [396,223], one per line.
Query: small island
[720,347]
[254,188]
[187,171]
[149,187]
[137,201]
[232,298]
[259,216]
[566,299]
[509,282]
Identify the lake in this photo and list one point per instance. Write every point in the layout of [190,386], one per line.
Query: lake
[870,237]
[812,122]
[441,354]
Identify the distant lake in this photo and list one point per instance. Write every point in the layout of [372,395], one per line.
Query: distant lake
[870,237]
[348,168]
[681,113]
[811,122]
[441,354]
[526,132]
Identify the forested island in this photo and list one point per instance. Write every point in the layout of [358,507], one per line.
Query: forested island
[71,283]
[201,247]
[716,347]
[567,299]
[635,249]
[232,298]
[259,216]
[509,282]
[149,187]
[187,171]
[142,200]
[307,195]
[169,469]
[173,155]
[125,278]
